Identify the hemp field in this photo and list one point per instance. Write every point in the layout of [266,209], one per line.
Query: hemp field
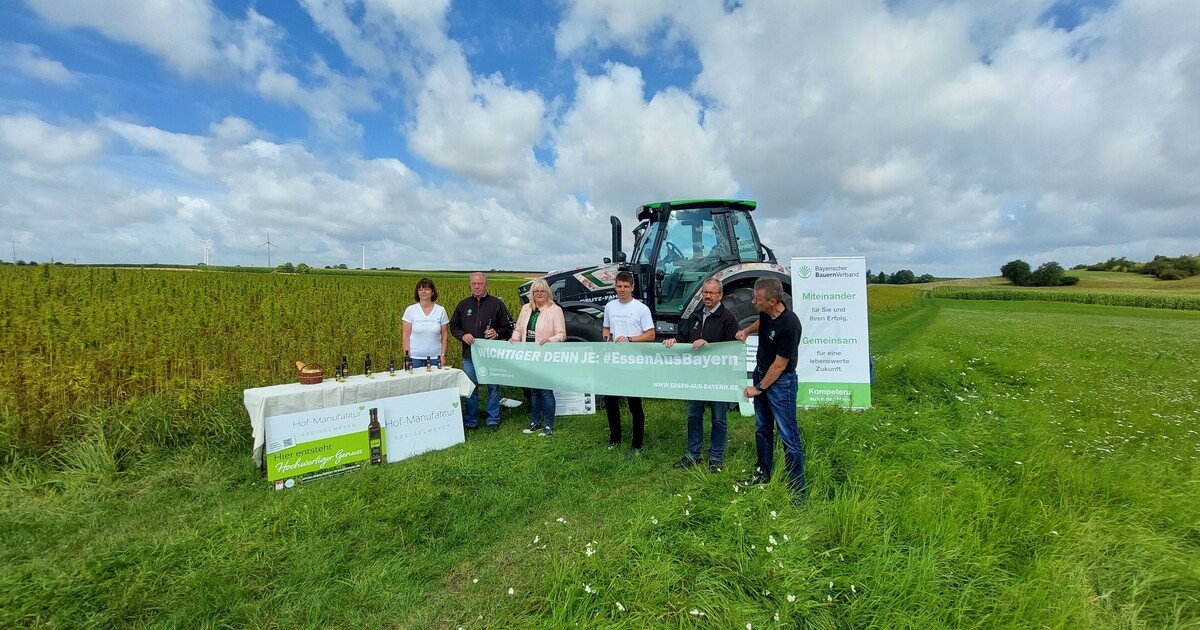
[1027,464]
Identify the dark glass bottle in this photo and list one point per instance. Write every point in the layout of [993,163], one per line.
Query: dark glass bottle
[345,368]
[375,438]
[408,367]
[391,367]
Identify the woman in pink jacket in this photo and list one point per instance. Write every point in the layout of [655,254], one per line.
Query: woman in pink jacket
[541,321]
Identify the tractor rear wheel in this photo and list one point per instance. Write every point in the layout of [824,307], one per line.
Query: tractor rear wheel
[740,302]
[583,327]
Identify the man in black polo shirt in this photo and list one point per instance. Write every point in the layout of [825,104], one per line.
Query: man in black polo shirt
[774,388]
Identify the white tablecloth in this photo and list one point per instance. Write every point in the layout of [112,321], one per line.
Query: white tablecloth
[264,402]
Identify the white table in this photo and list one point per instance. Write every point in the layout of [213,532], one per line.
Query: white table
[264,402]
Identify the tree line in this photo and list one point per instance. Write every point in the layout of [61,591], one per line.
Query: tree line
[1049,274]
[1162,267]
[904,276]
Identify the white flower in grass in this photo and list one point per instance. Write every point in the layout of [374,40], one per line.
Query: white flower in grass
[776,616]
[689,497]
[749,627]
[829,598]
[654,520]
[831,585]
[620,607]
[853,590]
[687,512]
[537,538]
[475,581]
[1054,532]
[561,520]
[770,549]
[774,515]
[696,613]
[1017,463]
[785,538]
[791,598]
[587,588]
[735,488]
[771,539]
[511,591]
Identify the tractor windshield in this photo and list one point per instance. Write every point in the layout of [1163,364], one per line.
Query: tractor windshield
[691,250]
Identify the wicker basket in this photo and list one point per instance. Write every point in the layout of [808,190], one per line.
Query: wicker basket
[311,378]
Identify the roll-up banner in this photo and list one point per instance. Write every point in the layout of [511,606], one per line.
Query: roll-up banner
[830,298]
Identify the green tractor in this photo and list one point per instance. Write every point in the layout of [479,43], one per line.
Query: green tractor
[677,246]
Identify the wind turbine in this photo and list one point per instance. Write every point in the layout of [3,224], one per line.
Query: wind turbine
[364,246]
[206,244]
[269,245]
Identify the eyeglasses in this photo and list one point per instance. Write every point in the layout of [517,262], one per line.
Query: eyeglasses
[710,293]
[540,291]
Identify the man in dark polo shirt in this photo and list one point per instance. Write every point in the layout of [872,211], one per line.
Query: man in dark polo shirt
[774,388]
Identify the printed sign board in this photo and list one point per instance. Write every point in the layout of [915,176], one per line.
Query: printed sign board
[311,444]
[315,443]
[574,403]
[830,298]
[417,423]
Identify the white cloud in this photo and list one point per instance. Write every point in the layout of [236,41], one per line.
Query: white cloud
[613,22]
[479,128]
[178,31]
[28,60]
[623,150]
[187,151]
[917,125]
[31,139]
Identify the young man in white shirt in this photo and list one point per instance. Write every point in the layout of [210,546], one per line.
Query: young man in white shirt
[626,320]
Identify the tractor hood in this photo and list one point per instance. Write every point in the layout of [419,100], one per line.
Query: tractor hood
[586,285]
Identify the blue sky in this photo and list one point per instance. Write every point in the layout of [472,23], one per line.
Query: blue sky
[943,137]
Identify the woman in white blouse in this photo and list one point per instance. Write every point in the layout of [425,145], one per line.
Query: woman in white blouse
[426,327]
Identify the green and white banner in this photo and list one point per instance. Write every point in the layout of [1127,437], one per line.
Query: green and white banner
[717,371]
[830,298]
[309,444]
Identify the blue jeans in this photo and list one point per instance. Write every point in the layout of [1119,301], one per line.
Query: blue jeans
[471,403]
[776,409]
[541,407]
[417,363]
[695,429]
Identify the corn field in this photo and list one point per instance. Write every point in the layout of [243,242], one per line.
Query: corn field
[882,297]
[1143,300]
[76,338]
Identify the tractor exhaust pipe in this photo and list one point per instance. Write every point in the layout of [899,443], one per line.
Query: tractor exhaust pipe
[617,255]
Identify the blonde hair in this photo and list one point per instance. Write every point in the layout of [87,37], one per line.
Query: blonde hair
[540,283]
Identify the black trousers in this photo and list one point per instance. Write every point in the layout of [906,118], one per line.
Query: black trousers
[612,407]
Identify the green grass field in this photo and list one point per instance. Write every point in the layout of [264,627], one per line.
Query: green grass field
[1027,464]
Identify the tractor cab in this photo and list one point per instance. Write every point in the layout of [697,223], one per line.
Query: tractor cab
[678,245]
[681,244]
